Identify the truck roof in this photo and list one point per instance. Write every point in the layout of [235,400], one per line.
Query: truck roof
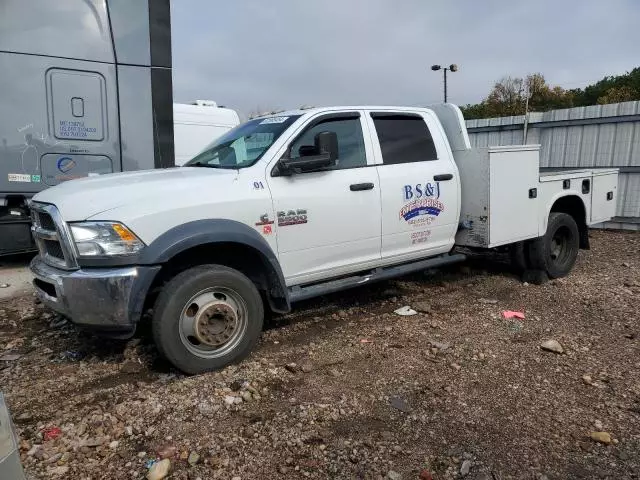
[448,114]
[303,111]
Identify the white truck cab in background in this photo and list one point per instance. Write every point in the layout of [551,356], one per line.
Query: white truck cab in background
[198,124]
[295,205]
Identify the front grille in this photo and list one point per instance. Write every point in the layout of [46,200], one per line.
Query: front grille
[53,248]
[46,222]
[52,237]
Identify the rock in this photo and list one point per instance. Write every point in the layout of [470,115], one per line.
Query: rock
[57,322]
[456,366]
[207,410]
[306,367]
[4,285]
[95,442]
[246,396]
[10,357]
[292,367]
[465,468]
[598,425]
[237,400]
[400,404]
[391,475]
[405,311]
[626,264]
[587,379]
[601,437]
[229,399]
[54,458]
[236,478]
[167,451]
[334,373]
[113,445]
[423,307]
[131,366]
[159,470]
[552,346]
[58,471]
[439,345]
[488,301]
[193,459]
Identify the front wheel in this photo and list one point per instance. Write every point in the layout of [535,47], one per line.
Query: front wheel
[207,317]
[556,252]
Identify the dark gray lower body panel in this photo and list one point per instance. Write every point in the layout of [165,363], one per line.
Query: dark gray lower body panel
[109,299]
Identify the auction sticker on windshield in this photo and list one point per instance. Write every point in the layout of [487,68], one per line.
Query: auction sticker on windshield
[274,120]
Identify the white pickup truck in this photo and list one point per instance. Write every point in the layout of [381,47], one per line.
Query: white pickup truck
[287,207]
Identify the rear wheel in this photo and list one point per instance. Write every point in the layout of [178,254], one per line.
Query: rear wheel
[556,252]
[207,317]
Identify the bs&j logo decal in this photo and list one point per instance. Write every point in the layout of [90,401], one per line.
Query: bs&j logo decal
[422,203]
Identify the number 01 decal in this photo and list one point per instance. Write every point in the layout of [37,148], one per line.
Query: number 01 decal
[258,185]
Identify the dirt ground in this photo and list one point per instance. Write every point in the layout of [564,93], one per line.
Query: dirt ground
[345,388]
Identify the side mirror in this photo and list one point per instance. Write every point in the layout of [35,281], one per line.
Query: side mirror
[327,143]
[322,155]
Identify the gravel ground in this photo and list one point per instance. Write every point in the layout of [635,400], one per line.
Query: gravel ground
[345,388]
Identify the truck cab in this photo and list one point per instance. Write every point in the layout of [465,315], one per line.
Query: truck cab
[294,205]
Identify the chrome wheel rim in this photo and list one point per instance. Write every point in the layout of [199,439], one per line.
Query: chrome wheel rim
[213,322]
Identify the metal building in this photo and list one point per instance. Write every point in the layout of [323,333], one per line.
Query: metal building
[583,137]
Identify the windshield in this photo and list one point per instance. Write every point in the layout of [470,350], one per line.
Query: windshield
[242,146]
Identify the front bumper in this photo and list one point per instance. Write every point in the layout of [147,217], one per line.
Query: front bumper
[109,299]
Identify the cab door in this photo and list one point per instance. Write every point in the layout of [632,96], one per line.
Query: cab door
[328,222]
[420,188]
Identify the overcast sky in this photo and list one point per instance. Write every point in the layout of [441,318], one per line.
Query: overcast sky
[259,54]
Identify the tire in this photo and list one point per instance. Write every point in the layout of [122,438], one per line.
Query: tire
[206,318]
[556,252]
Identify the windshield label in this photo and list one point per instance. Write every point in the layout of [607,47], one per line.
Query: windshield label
[266,121]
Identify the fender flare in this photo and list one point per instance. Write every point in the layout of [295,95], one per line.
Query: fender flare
[200,232]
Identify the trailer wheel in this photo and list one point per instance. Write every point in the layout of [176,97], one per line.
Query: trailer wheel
[556,252]
[206,318]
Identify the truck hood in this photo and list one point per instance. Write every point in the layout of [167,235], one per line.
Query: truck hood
[81,199]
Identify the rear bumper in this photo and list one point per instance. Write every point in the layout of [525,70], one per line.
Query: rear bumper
[109,299]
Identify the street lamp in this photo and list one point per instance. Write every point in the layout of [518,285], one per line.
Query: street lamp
[453,67]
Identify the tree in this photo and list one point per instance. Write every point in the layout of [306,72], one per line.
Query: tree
[617,95]
[509,95]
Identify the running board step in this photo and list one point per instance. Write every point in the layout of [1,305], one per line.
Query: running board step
[297,293]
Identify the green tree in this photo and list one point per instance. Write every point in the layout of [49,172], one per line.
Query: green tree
[509,95]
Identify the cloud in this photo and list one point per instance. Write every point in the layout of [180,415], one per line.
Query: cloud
[250,54]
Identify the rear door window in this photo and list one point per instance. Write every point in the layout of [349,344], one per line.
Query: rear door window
[404,138]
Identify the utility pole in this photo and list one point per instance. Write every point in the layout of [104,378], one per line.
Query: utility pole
[453,68]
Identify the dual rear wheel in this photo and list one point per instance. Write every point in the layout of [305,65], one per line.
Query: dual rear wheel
[555,253]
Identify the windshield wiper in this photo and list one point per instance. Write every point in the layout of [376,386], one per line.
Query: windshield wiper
[212,165]
[203,164]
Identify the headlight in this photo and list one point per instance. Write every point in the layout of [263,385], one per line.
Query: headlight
[104,239]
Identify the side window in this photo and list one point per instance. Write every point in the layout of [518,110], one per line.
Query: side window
[351,152]
[404,138]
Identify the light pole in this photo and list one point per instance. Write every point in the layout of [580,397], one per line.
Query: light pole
[453,67]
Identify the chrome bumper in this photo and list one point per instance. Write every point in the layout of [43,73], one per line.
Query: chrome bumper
[103,298]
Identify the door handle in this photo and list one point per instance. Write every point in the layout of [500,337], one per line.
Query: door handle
[358,187]
[442,177]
